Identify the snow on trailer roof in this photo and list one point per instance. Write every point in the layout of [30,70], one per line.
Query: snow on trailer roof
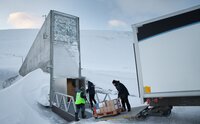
[168,22]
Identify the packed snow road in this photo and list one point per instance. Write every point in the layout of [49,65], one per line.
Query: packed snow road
[179,115]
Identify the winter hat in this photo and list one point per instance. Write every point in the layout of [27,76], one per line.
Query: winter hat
[114,81]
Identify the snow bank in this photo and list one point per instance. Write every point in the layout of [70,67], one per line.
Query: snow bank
[43,94]
[19,101]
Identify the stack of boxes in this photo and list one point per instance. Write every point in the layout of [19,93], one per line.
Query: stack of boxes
[113,105]
[108,107]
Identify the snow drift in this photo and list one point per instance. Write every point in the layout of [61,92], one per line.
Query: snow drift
[19,102]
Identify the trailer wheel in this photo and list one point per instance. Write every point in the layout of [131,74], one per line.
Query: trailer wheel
[141,117]
[143,114]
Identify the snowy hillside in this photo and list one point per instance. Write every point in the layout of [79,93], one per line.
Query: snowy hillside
[102,50]
[19,102]
[14,45]
[110,50]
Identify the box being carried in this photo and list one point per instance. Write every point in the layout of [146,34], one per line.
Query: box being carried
[107,108]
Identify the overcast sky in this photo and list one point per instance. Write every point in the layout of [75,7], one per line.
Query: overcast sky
[94,14]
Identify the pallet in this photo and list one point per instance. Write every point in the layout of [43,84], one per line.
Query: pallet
[105,114]
[133,114]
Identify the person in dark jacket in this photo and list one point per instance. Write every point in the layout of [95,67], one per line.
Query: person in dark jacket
[91,91]
[80,103]
[122,94]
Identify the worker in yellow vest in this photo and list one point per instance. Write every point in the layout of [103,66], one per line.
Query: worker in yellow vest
[80,103]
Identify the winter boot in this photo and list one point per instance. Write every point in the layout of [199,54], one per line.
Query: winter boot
[76,117]
[83,115]
[123,109]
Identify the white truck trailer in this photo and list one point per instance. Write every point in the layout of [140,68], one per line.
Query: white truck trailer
[167,52]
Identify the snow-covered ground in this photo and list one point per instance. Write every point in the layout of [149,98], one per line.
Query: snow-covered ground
[20,103]
[179,115]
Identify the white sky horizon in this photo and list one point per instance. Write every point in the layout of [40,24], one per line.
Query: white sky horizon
[93,14]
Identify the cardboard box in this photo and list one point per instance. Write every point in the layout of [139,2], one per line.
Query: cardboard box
[105,109]
[109,109]
[111,102]
[101,110]
[108,106]
[112,108]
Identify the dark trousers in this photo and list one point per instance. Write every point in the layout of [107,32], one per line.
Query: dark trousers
[92,99]
[78,108]
[124,101]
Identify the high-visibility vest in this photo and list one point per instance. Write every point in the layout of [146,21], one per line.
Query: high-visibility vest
[79,99]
